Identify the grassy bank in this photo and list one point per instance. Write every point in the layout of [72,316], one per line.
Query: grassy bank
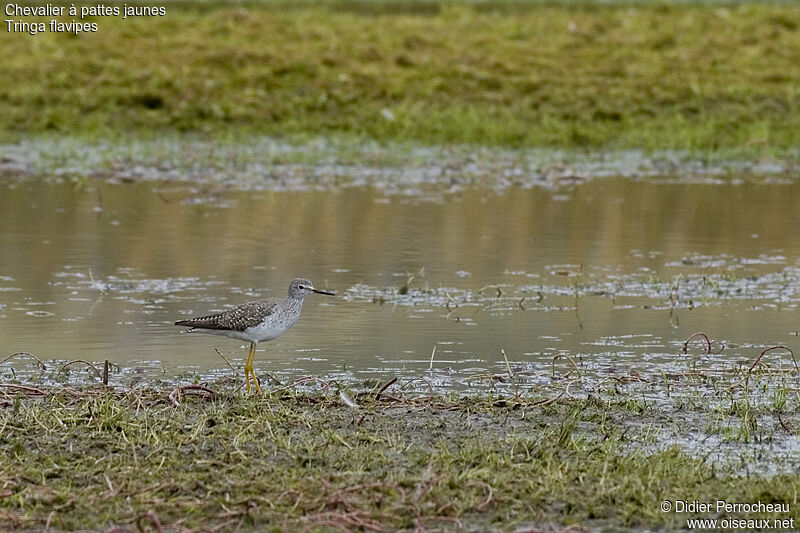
[96,458]
[705,78]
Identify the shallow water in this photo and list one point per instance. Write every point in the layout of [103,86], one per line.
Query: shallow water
[615,273]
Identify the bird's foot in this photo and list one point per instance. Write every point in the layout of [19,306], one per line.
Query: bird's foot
[247,371]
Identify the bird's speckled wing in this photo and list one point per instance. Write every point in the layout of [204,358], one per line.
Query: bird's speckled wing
[238,318]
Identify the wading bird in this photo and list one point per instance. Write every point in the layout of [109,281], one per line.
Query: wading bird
[262,320]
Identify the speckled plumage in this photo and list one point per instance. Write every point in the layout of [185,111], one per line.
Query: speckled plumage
[237,318]
[258,321]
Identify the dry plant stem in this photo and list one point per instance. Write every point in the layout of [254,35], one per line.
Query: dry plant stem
[508,366]
[305,379]
[42,366]
[383,389]
[545,403]
[570,359]
[235,373]
[151,517]
[29,391]
[275,380]
[781,347]
[427,382]
[699,335]
[746,380]
[83,362]
[189,389]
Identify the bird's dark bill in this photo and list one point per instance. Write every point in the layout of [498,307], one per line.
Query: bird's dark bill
[319,291]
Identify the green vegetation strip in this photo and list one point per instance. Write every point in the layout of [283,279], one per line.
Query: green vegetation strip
[704,78]
[97,458]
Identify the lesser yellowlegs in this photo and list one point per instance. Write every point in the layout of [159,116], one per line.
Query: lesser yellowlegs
[258,321]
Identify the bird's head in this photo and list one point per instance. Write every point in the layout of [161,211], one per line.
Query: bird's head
[302,287]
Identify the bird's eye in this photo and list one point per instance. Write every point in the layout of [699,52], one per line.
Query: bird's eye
[301,286]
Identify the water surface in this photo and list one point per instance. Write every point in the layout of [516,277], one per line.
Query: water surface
[616,273]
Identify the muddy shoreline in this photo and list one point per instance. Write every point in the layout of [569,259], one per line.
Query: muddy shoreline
[272,164]
[382,459]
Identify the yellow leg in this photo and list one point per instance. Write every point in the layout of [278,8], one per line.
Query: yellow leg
[252,372]
[248,369]
[248,366]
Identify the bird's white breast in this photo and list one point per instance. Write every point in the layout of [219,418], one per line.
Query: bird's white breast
[267,331]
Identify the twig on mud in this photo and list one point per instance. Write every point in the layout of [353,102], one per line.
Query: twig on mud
[299,381]
[189,389]
[326,385]
[430,389]
[235,373]
[84,362]
[426,485]
[571,360]
[153,518]
[343,521]
[769,349]
[42,366]
[545,403]
[338,495]
[569,384]
[634,378]
[275,380]
[500,378]
[489,499]
[388,384]
[746,379]
[624,380]
[28,391]
[508,366]
[692,374]
[699,335]
[784,425]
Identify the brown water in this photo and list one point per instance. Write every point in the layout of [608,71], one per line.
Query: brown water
[614,272]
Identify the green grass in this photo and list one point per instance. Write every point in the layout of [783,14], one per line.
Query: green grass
[95,458]
[703,78]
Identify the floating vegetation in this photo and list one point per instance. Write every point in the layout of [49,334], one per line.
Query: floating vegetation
[688,290]
[73,279]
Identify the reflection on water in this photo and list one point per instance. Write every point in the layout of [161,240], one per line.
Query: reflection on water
[613,272]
